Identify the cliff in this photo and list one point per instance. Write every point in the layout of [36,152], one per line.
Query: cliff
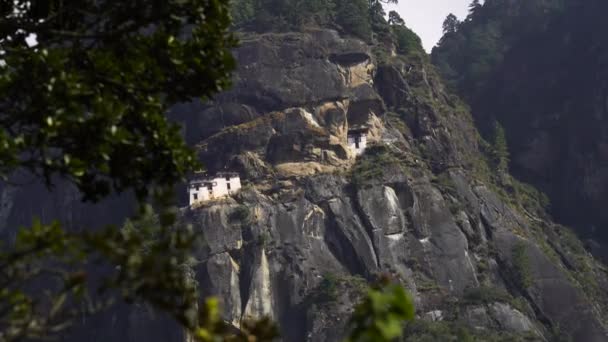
[314,224]
[537,67]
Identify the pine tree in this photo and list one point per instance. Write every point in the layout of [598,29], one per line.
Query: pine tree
[353,16]
[395,19]
[450,24]
[501,149]
[474,6]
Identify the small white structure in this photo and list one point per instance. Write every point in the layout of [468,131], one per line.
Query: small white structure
[210,187]
[357,139]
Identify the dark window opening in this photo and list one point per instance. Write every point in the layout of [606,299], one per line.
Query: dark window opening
[228,186]
[357,139]
[195,196]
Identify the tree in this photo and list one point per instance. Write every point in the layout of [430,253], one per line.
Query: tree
[395,19]
[501,149]
[85,86]
[269,15]
[406,40]
[353,17]
[450,24]
[84,100]
[474,6]
[373,3]
[376,9]
[242,11]
[381,314]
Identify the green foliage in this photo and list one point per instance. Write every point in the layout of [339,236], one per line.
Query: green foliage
[395,19]
[501,149]
[381,315]
[428,285]
[242,11]
[269,15]
[450,24]
[355,17]
[264,239]
[521,266]
[445,183]
[530,198]
[519,194]
[569,239]
[148,262]
[537,87]
[241,214]
[406,40]
[364,19]
[486,295]
[425,331]
[329,287]
[470,51]
[372,164]
[474,6]
[88,101]
[332,285]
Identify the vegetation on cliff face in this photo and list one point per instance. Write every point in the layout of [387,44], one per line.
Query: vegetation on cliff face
[431,203]
[85,87]
[471,49]
[537,68]
[473,245]
[361,18]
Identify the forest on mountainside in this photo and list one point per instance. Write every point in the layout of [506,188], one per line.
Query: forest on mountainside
[116,106]
[365,19]
[539,69]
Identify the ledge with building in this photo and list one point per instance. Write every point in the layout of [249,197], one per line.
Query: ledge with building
[357,139]
[205,187]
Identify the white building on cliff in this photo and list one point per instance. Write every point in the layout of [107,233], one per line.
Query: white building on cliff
[206,188]
[357,139]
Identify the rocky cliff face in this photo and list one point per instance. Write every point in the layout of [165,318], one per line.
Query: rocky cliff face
[314,224]
[538,68]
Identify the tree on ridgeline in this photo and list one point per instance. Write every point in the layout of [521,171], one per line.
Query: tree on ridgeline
[450,24]
[395,19]
[474,6]
[405,39]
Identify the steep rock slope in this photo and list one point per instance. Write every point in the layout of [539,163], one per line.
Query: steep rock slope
[314,224]
[538,67]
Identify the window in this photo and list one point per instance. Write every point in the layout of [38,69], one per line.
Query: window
[210,187]
[228,185]
[195,196]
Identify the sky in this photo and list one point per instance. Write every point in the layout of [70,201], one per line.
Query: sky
[425,17]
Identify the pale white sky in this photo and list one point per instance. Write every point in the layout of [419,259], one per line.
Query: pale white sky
[425,17]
